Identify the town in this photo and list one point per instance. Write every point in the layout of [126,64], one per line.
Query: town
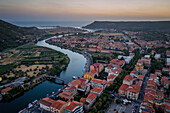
[125,76]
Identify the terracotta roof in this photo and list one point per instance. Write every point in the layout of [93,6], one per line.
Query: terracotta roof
[128,78]
[110,82]
[123,87]
[74,83]
[66,95]
[71,106]
[117,62]
[141,76]
[96,64]
[158,71]
[46,101]
[134,88]
[111,76]
[91,96]
[70,88]
[83,99]
[153,76]
[96,89]
[133,72]
[150,91]
[149,97]
[6,89]
[99,81]
[58,104]
[151,82]
[165,80]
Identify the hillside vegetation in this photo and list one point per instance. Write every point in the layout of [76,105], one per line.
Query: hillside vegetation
[13,36]
[163,26]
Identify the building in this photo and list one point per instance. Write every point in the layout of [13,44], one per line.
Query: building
[97,67]
[71,89]
[128,80]
[165,82]
[117,63]
[85,85]
[139,66]
[99,83]
[74,107]
[153,77]
[76,83]
[146,107]
[123,90]
[89,75]
[133,73]
[133,92]
[45,104]
[168,62]
[91,98]
[157,56]
[67,96]
[111,77]
[96,90]
[57,106]
[166,70]
[146,61]
[158,72]
[168,53]
[5,91]
[115,71]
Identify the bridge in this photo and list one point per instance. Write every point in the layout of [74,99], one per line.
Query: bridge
[48,76]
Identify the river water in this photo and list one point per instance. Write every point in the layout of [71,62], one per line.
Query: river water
[74,68]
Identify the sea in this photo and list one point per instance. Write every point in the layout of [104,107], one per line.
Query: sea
[51,23]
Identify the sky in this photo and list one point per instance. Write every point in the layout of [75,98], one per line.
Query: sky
[84,10]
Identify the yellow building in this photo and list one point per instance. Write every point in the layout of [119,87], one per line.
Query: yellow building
[89,75]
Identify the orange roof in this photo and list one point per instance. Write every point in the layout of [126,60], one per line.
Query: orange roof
[91,96]
[150,91]
[58,104]
[117,62]
[110,82]
[83,99]
[123,87]
[151,82]
[73,105]
[134,88]
[140,76]
[46,101]
[111,76]
[96,89]
[66,95]
[128,78]
[70,88]
[99,81]
[133,72]
[153,76]
[6,89]
[74,83]
[165,80]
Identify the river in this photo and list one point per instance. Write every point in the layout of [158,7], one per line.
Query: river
[74,68]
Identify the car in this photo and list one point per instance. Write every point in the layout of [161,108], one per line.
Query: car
[133,111]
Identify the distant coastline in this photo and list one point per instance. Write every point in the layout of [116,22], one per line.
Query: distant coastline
[51,23]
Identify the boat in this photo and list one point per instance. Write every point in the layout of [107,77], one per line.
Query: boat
[74,77]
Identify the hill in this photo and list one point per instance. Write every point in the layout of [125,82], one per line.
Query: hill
[13,36]
[161,26]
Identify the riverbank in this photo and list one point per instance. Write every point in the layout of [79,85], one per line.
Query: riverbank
[29,70]
[84,53]
[75,67]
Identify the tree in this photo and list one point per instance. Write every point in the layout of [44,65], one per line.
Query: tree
[118,101]
[94,109]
